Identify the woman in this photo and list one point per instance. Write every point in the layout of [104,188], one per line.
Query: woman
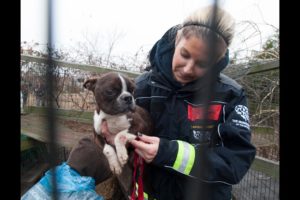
[194,155]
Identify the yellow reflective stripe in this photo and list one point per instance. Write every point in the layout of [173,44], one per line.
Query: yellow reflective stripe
[191,160]
[145,196]
[136,192]
[179,156]
[185,157]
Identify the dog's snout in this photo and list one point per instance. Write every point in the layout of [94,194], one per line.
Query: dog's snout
[127,99]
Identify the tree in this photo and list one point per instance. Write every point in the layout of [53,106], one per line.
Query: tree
[270,49]
[113,38]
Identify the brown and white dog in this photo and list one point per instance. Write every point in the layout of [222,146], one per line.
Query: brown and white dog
[115,103]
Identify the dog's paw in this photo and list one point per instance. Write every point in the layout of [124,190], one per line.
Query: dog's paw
[122,157]
[108,152]
[112,158]
[130,137]
[116,168]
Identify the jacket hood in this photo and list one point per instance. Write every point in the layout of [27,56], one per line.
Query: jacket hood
[161,56]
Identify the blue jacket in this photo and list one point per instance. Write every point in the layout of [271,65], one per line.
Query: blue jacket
[197,158]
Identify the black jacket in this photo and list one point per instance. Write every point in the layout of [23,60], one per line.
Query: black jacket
[196,159]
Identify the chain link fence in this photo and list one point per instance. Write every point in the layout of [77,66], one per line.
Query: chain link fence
[262,89]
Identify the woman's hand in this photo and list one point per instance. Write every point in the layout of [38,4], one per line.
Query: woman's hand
[146,147]
[109,137]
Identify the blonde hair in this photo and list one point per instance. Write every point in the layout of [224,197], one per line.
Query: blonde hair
[199,23]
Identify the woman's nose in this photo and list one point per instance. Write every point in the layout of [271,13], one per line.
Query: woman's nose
[188,69]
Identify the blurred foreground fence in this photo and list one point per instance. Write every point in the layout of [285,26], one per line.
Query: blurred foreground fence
[260,80]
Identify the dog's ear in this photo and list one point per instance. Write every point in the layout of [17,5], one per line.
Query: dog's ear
[132,80]
[90,84]
[131,84]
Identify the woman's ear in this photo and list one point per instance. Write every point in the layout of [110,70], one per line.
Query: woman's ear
[224,61]
[222,50]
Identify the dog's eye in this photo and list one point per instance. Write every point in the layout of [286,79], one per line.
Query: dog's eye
[131,89]
[110,92]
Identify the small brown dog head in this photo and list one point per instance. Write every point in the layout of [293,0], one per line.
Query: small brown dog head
[113,93]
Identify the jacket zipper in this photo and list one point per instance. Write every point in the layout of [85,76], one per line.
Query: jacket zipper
[155,84]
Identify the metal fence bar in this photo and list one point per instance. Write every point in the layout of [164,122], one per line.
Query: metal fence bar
[84,67]
[50,85]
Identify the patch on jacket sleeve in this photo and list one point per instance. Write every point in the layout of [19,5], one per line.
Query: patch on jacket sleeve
[242,117]
[242,111]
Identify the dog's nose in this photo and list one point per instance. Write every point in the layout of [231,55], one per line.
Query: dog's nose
[127,99]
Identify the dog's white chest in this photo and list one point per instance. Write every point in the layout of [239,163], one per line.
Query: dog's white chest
[117,124]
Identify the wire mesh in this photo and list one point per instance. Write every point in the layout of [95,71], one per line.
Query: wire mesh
[262,89]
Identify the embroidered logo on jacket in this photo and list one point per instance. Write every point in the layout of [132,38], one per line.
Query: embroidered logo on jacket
[242,111]
[203,136]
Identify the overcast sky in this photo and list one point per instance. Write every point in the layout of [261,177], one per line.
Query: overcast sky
[137,22]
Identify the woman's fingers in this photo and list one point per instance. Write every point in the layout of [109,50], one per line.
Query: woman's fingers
[144,155]
[146,147]
[148,139]
[139,145]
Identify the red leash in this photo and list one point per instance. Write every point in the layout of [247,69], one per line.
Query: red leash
[138,169]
